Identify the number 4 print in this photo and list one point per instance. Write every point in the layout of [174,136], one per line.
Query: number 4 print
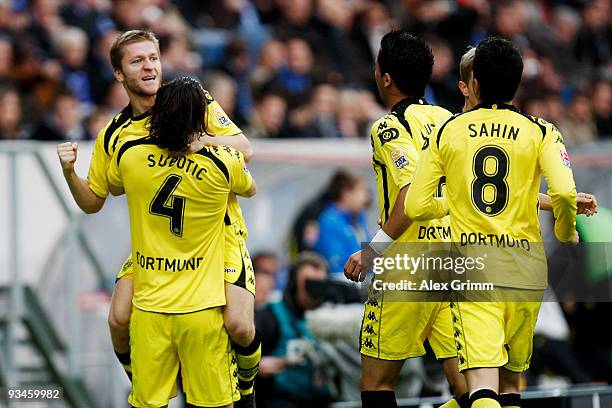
[167,205]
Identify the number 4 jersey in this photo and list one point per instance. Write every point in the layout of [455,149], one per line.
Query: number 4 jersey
[177,207]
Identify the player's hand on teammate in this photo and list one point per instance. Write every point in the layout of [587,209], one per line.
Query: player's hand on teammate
[67,153]
[587,204]
[358,264]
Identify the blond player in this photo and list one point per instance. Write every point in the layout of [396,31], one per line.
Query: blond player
[137,66]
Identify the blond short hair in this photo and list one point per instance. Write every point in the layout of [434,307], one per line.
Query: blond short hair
[466,65]
[129,37]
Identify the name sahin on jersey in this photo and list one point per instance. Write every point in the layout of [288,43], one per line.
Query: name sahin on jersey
[493,130]
[180,162]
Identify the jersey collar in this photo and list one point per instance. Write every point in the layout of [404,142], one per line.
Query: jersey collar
[128,111]
[495,106]
[410,100]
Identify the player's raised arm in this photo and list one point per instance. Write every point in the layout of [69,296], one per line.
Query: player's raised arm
[420,202]
[555,165]
[86,199]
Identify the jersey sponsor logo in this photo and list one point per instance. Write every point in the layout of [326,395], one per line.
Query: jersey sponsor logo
[222,117]
[231,270]
[387,135]
[399,158]
[565,159]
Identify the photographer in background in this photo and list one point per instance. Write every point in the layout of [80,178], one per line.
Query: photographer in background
[290,375]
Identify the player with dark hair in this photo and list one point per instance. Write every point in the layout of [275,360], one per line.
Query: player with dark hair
[177,190]
[135,59]
[493,157]
[587,203]
[393,331]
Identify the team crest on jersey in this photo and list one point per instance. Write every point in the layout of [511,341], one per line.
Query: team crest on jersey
[387,135]
[565,159]
[222,117]
[399,158]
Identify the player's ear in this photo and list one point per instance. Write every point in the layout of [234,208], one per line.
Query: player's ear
[118,75]
[387,80]
[463,88]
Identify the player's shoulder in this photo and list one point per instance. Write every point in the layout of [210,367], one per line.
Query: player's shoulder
[451,120]
[223,158]
[109,131]
[130,142]
[386,129]
[545,127]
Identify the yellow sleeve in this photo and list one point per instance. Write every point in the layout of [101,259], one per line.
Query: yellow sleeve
[420,203]
[555,165]
[240,179]
[217,121]
[393,146]
[114,174]
[99,165]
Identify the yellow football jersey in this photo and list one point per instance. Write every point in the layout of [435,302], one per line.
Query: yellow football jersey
[397,141]
[124,125]
[493,158]
[177,208]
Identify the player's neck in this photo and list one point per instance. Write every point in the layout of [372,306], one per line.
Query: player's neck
[393,98]
[141,104]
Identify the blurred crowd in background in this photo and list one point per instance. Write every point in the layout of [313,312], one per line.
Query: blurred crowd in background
[294,68]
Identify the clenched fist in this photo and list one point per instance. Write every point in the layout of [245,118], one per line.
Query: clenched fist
[67,153]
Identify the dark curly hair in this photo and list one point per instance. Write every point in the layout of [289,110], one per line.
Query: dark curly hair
[178,113]
[408,60]
[498,67]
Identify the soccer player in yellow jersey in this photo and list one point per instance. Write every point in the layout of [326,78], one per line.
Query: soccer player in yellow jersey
[177,190]
[393,331]
[135,59]
[586,203]
[493,157]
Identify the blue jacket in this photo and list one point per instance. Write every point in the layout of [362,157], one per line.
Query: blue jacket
[340,235]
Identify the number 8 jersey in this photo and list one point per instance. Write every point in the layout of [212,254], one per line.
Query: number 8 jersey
[493,157]
[177,206]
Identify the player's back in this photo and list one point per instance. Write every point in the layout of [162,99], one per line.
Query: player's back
[398,140]
[177,206]
[490,157]
[493,160]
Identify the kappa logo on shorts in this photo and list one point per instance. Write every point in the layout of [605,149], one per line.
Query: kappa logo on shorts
[369,330]
[372,302]
[372,317]
[368,343]
[459,347]
[457,333]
